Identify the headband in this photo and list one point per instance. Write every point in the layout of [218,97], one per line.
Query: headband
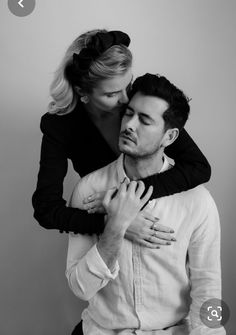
[98,44]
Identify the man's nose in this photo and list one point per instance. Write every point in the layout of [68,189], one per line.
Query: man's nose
[124,97]
[132,123]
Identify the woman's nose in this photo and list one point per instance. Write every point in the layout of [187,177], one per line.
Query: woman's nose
[124,97]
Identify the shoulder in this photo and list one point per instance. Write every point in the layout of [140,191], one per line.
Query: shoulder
[57,123]
[100,179]
[201,194]
[200,200]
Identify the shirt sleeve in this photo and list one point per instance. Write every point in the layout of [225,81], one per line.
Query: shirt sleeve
[86,271]
[50,208]
[190,170]
[205,265]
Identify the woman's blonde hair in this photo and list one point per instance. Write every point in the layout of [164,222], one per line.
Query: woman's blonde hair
[114,61]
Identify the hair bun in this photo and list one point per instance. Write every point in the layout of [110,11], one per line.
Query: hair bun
[103,41]
[98,44]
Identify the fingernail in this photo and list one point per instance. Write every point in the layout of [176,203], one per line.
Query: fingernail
[173,239]
[157,219]
[169,243]
[172,231]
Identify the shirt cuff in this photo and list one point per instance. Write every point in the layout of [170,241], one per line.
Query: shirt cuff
[98,267]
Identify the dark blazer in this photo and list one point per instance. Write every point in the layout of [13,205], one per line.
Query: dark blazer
[73,136]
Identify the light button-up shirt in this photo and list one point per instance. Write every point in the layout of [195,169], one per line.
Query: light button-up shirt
[149,291]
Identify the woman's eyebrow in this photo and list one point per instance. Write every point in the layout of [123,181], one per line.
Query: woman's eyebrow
[111,92]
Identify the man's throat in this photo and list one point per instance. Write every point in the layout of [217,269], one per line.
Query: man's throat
[139,168]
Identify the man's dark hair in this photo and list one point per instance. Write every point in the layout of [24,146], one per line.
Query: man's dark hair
[177,113]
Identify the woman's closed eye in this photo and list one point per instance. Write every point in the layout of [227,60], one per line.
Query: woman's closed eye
[128,112]
[111,95]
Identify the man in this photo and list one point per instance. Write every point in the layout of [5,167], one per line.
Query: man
[137,290]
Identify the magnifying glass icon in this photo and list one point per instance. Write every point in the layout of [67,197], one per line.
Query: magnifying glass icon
[214,313]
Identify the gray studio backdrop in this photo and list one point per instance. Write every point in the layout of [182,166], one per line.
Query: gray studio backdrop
[192,42]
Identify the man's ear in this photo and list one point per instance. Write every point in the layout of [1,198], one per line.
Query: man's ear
[170,136]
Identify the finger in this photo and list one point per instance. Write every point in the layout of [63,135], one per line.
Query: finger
[115,189]
[159,227]
[149,217]
[96,210]
[148,244]
[140,188]
[157,241]
[147,196]
[91,204]
[123,187]
[92,211]
[90,198]
[163,236]
[132,187]
[108,195]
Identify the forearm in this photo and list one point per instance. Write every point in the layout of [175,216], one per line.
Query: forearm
[86,271]
[110,244]
[191,168]
[56,215]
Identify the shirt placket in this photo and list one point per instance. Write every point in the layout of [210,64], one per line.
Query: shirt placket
[138,282]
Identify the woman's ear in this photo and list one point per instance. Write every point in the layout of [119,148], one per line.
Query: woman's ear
[82,95]
[79,91]
[170,136]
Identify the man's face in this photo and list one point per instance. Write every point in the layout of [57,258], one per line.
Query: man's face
[142,127]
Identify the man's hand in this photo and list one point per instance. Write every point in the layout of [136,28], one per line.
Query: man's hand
[122,206]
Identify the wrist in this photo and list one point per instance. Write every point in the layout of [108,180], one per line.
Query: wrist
[117,226]
[114,228]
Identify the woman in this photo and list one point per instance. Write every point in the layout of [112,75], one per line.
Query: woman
[89,90]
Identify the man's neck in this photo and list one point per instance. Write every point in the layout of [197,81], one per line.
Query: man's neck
[139,168]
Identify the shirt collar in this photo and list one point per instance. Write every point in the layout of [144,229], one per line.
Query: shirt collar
[121,172]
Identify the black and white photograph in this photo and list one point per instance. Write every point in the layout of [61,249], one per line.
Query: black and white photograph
[117,167]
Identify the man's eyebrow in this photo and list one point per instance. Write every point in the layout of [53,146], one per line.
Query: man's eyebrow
[141,113]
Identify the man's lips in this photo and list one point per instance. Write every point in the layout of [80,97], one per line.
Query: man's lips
[128,137]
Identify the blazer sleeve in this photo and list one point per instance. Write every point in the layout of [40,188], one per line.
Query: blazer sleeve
[190,170]
[50,208]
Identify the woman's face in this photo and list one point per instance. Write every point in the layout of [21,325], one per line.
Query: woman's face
[111,94]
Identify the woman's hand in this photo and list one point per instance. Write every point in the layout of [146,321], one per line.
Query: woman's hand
[146,230]
[94,203]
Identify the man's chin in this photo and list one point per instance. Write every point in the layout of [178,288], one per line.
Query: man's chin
[125,149]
